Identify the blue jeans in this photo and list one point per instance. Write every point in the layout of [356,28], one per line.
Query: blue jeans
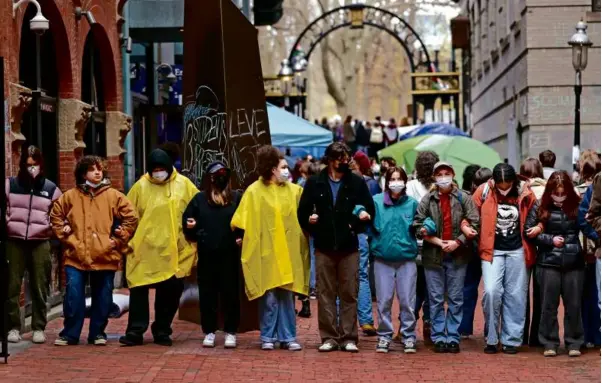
[505,297]
[400,277]
[74,303]
[364,297]
[447,279]
[471,295]
[590,312]
[312,264]
[598,278]
[277,316]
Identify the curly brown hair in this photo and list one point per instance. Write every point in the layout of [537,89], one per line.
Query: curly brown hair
[424,165]
[85,164]
[268,158]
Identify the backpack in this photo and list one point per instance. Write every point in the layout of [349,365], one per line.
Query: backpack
[376,135]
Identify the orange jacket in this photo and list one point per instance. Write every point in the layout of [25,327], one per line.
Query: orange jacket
[91,215]
[488,212]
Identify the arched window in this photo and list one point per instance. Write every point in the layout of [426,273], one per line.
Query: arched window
[38,72]
[93,94]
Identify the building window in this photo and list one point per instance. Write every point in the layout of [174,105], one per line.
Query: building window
[502,21]
[511,13]
[484,27]
[492,14]
[596,5]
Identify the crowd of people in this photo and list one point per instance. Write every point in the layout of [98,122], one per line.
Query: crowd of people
[366,136]
[346,230]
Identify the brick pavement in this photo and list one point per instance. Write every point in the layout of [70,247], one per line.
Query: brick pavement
[187,361]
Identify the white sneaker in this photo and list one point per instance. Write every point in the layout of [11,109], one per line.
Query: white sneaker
[327,347]
[268,346]
[230,341]
[209,340]
[351,347]
[294,346]
[14,336]
[38,337]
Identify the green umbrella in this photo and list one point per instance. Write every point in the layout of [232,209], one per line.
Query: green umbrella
[458,151]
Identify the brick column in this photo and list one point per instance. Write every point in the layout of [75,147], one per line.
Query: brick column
[118,125]
[20,100]
[73,117]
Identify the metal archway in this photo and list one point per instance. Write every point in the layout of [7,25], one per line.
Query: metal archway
[356,16]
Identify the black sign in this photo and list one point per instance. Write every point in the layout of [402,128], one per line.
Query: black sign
[225,116]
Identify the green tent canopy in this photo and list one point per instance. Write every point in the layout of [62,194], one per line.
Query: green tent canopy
[458,151]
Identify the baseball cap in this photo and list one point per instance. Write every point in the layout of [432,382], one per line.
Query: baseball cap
[443,164]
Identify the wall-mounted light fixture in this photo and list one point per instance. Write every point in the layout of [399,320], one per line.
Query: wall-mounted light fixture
[88,14]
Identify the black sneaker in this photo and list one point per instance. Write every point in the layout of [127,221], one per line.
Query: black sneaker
[305,309]
[511,350]
[453,347]
[491,349]
[128,340]
[163,341]
[440,347]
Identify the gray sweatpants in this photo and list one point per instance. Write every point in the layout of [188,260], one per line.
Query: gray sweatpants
[390,277]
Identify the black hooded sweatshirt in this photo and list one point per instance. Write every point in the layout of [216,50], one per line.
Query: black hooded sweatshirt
[212,231]
[159,159]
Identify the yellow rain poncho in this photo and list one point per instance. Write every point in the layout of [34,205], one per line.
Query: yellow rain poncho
[159,249]
[275,252]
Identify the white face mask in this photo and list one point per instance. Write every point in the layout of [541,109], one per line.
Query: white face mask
[33,171]
[160,175]
[396,186]
[375,169]
[92,184]
[284,175]
[444,182]
[504,192]
[558,201]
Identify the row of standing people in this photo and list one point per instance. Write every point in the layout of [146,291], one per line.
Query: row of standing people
[333,208]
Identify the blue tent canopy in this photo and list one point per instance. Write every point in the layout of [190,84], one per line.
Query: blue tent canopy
[434,128]
[289,131]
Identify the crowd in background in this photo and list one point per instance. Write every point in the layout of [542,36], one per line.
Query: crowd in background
[347,229]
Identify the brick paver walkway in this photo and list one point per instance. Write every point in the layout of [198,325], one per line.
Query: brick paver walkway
[187,361]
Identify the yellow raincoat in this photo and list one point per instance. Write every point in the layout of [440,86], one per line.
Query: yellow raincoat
[275,252]
[159,249]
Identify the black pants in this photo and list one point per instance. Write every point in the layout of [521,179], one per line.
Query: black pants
[555,283]
[531,329]
[422,296]
[167,301]
[218,279]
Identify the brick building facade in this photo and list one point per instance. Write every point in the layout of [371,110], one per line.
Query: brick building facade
[81,89]
[522,98]
[69,36]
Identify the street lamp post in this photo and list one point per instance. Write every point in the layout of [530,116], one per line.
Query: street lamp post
[580,43]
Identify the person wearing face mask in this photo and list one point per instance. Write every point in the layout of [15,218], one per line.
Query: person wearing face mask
[83,220]
[560,263]
[417,189]
[506,254]
[29,198]
[206,221]
[364,303]
[445,254]
[160,255]
[275,251]
[326,212]
[395,249]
